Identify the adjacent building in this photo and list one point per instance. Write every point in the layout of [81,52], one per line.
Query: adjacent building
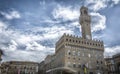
[19,67]
[117,63]
[41,69]
[77,55]
[113,64]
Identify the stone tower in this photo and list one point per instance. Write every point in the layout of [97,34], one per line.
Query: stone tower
[85,21]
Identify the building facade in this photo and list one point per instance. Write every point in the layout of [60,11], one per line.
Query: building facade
[113,64]
[19,67]
[41,69]
[117,63]
[109,62]
[77,55]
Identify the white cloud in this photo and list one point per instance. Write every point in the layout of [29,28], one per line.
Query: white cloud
[35,46]
[109,51]
[16,39]
[96,4]
[11,15]
[23,39]
[56,31]
[66,13]
[2,26]
[52,32]
[12,45]
[116,1]
[34,50]
[22,55]
[98,21]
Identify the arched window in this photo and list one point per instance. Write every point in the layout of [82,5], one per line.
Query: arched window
[85,12]
[79,65]
[68,52]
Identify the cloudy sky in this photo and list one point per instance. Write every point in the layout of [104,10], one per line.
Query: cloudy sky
[29,29]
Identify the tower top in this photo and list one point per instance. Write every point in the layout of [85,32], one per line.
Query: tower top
[84,10]
[83,7]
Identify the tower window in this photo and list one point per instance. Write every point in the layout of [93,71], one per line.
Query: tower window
[66,39]
[85,12]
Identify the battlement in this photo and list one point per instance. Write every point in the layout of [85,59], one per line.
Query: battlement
[67,39]
[73,36]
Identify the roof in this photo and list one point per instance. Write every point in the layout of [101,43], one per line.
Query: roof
[22,62]
[116,55]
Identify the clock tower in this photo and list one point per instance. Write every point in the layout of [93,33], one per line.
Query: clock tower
[85,21]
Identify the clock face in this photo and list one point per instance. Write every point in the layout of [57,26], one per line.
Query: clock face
[87,36]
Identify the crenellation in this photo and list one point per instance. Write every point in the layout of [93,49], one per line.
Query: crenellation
[71,39]
[67,34]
